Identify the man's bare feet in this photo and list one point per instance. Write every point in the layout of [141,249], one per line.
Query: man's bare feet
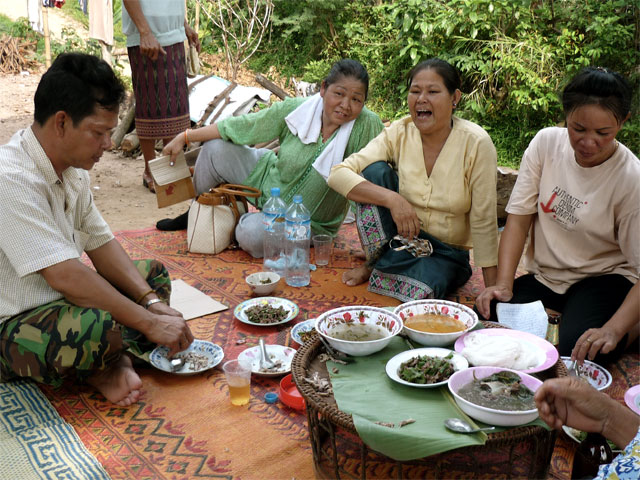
[119,383]
[357,275]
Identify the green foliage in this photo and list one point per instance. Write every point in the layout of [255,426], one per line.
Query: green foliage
[71,42]
[514,55]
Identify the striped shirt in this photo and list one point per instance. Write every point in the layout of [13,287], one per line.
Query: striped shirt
[43,220]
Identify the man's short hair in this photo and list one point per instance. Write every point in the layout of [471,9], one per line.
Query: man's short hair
[76,83]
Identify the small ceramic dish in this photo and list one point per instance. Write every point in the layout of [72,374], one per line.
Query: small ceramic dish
[596,375]
[199,357]
[292,310]
[279,354]
[302,327]
[263,283]
[289,394]
[393,365]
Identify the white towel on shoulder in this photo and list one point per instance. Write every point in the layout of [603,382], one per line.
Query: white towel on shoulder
[306,123]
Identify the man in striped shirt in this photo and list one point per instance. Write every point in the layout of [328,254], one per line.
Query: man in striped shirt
[58,317]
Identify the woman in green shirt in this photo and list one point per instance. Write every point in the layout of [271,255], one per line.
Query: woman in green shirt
[315,133]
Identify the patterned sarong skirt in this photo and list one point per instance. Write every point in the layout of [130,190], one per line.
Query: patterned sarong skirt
[399,274]
[160,88]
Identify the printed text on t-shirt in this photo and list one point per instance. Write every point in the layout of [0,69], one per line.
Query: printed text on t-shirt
[565,210]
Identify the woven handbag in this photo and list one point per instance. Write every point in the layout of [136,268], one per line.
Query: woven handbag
[214,215]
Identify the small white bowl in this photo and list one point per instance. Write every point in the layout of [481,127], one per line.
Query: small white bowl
[440,307]
[502,418]
[263,283]
[596,375]
[358,314]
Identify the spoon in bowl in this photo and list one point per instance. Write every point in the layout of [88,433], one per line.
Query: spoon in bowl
[265,361]
[460,426]
[176,363]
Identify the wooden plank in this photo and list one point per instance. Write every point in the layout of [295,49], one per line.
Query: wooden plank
[269,85]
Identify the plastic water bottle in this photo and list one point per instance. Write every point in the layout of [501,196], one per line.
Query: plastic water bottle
[297,231]
[273,213]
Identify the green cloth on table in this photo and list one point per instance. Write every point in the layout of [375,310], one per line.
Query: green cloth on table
[291,169]
[363,389]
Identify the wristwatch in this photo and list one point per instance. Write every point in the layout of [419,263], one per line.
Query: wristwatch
[151,302]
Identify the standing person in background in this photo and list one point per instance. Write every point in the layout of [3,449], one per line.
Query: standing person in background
[156,30]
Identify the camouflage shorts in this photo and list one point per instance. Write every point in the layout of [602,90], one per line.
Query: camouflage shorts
[59,339]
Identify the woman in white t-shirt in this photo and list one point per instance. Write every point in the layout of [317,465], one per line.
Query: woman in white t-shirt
[578,194]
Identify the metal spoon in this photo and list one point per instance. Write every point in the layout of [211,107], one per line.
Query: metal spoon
[573,369]
[265,361]
[460,426]
[176,363]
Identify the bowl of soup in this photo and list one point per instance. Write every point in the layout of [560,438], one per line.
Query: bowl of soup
[435,323]
[358,330]
[495,395]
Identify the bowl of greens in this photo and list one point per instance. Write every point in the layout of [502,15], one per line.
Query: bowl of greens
[425,367]
[263,283]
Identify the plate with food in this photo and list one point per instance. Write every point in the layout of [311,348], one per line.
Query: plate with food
[425,367]
[632,398]
[593,373]
[280,355]
[304,331]
[200,356]
[506,348]
[266,311]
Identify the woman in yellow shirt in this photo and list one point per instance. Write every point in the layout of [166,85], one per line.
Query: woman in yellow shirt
[429,175]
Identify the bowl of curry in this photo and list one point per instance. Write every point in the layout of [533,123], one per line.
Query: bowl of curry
[435,323]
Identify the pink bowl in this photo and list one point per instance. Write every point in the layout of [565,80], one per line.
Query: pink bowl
[503,418]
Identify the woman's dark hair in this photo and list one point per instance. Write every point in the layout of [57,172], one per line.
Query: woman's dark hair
[348,68]
[75,83]
[598,86]
[448,72]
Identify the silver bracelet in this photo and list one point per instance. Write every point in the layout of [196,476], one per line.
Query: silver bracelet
[151,302]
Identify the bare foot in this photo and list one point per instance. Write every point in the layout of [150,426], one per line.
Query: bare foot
[357,275]
[119,383]
[147,181]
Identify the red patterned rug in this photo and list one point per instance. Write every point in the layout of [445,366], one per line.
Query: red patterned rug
[185,427]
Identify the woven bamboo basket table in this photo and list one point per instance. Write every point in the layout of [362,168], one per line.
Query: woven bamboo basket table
[338,452]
